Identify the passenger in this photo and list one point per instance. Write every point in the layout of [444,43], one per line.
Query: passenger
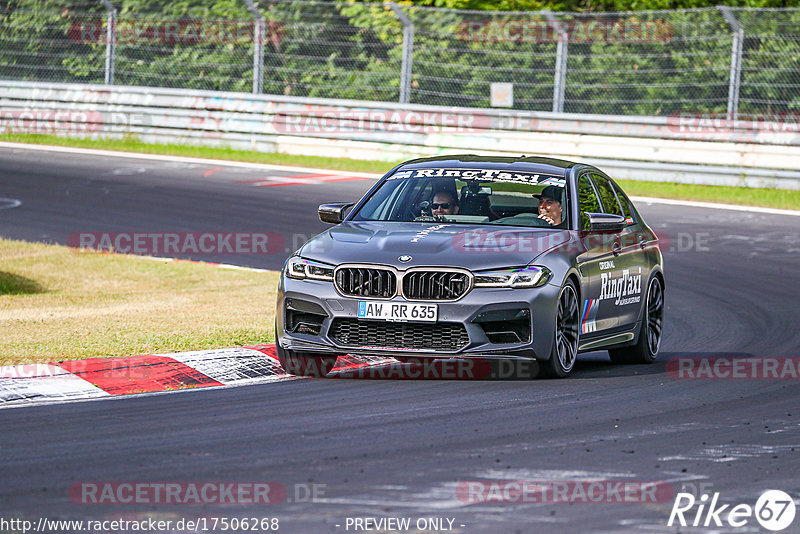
[550,205]
[444,203]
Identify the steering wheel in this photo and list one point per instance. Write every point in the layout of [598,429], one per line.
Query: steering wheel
[524,219]
[420,211]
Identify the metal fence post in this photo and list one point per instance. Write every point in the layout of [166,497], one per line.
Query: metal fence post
[111,41]
[559,83]
[408,49]
[736,62]
[259,34]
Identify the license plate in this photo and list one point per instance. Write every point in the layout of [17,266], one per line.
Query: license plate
[398,311]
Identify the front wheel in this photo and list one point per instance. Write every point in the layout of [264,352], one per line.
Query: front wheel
[304,364]
[646,348]
[565,345]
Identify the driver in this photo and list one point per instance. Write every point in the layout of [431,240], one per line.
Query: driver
[444,203]
[550,205]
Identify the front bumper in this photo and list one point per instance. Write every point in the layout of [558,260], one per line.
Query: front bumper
[325,305]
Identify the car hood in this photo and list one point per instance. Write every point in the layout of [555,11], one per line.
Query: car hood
[432,244]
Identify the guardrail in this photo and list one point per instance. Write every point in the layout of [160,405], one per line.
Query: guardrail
[677,149]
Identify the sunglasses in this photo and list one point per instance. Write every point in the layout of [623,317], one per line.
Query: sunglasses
[444,206]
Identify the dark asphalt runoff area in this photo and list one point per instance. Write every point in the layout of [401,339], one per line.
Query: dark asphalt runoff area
[385,449]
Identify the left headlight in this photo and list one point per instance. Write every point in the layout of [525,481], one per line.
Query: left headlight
[300,268]
[523,277]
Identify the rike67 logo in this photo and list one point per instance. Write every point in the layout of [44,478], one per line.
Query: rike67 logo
[774,510]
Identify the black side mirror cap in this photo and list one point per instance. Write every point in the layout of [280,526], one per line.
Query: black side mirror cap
[605,222]
[333,213]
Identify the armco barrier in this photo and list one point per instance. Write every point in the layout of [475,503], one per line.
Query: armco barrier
[675,149]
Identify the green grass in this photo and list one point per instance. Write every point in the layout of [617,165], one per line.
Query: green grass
[58,303]
[747,196]
[773,198]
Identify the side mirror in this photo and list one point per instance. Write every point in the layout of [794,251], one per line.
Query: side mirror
[333,213]
[605,222]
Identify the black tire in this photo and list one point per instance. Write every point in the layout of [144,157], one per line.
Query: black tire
[646,348]
[567,331]
[304,364]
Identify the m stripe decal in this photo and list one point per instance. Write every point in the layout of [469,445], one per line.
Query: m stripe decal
[590,308]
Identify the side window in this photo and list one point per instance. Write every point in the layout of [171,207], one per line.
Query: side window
[425,192]
[626,204]
[607,196]
[384,203]
[378,204]
[587,201]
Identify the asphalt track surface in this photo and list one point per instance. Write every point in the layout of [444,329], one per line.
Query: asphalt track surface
[400,448]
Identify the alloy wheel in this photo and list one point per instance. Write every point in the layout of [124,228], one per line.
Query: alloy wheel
[655,315]
[567,329]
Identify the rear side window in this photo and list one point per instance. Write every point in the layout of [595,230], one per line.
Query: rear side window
[608,198]
[627,210]
[587,201]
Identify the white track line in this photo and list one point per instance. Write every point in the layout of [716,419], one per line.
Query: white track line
[267,166]
[182,159]
[8,203]
[209,263]
[716,206]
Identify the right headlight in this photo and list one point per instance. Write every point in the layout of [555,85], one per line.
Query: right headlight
[522,277]
[300,268]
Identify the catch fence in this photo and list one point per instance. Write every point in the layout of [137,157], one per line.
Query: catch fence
[727,62]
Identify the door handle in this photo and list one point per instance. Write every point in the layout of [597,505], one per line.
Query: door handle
[642,242]
[615,248]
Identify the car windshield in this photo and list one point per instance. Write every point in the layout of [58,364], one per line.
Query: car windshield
[470,196]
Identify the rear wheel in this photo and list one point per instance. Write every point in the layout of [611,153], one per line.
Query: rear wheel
[646,348]
[565,345]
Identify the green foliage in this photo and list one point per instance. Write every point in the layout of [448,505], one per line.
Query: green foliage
[594,5]
[35,42]
[354,50]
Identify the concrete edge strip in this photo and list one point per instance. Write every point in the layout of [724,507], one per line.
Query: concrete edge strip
[108,377]
[38,383]
[267,166]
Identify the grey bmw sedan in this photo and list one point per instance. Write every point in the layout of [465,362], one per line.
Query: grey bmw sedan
[476,257]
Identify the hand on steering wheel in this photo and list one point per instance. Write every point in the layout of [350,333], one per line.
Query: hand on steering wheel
[547,219]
